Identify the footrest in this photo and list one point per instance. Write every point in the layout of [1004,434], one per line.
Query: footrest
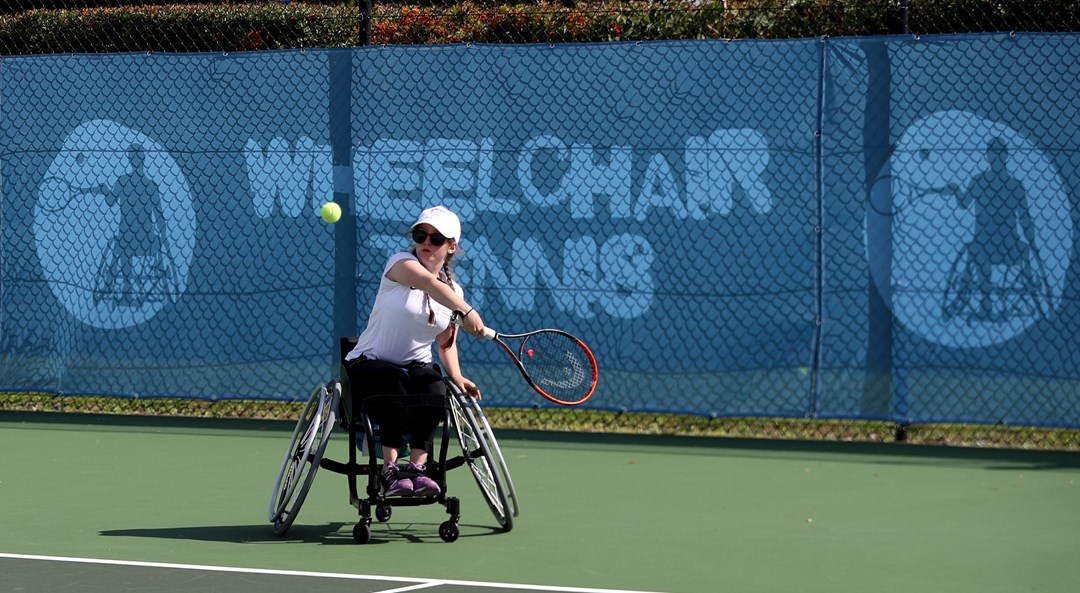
[348,469]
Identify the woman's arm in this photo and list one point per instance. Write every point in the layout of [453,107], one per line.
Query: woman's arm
[449,358]
[411,273]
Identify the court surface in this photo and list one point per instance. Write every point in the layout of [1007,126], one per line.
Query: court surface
[120,504]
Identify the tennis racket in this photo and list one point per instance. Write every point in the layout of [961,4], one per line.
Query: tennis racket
[560,367]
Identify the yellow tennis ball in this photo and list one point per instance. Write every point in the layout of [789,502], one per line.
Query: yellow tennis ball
[331,212]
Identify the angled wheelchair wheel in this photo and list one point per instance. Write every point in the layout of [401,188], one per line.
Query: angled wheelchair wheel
[1029,294]
[493,446]
[486,468]
[959,287]
[105,284]
[303,456]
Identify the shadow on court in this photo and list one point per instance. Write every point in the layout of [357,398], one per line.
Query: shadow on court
[331,534]
[240,534]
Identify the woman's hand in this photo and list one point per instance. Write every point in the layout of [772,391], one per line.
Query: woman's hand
[472,323]
[468,387]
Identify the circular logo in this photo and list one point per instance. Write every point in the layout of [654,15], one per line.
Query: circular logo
[114,226]
[981,231]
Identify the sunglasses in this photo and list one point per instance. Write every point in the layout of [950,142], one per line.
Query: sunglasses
[421,236]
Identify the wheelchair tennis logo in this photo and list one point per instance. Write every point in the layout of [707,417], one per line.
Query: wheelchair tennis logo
[114,226]
[981,229]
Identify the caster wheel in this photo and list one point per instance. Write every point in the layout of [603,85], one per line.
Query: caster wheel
[361,534]
[449,532]
[382,513]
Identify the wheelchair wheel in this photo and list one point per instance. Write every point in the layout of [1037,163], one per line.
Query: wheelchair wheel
[303,456]
[1029,295]
[493,446]
[475,445]
[361,533]
[383,513]
[163,279]
[449,532]
[959,287]
[105,288]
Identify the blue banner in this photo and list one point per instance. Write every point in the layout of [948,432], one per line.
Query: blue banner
[858,228]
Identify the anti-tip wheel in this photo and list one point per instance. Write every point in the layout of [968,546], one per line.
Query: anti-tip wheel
[449,532]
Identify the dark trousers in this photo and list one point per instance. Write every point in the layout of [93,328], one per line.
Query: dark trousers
[369,378]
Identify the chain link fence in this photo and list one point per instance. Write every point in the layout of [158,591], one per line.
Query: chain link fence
[928,176]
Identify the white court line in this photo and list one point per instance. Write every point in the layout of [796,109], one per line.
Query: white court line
[414,587]
[419,583]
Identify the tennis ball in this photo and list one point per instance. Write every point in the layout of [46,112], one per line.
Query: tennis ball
[331,212]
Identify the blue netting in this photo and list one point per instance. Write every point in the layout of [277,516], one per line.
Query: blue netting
[857,227]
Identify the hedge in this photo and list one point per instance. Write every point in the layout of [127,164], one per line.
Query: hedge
[278,25]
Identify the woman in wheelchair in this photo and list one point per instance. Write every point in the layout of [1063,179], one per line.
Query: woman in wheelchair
[417,296]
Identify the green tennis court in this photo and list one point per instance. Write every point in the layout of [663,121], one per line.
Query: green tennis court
[118,504]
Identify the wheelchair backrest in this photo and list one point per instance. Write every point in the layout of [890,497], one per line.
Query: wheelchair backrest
[345,345]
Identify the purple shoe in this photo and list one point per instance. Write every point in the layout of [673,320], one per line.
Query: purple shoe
[423,485]
[392,485]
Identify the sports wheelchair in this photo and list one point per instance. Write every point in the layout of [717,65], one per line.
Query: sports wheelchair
[330,405]
[1018,288]
[133,280]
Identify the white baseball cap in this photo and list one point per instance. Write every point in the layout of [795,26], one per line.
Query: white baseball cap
[444,221]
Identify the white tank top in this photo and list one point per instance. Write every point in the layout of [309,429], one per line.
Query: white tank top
[397,329]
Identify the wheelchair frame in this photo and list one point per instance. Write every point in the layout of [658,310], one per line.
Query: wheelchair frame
[1023,292]
[157,280]
[329,404]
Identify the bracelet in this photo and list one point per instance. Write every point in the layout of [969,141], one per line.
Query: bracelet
[458,316]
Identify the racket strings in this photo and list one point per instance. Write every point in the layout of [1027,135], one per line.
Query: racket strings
[557,364]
